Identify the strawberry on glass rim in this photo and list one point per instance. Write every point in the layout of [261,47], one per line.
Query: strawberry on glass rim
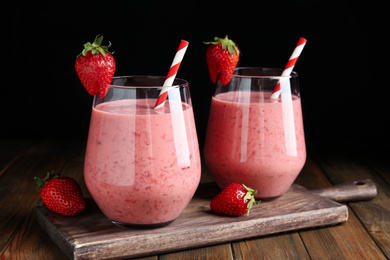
[222,56]
[95,67]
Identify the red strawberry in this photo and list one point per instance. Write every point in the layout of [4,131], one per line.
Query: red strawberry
[61,195]
[95,67]
[222,56]
[235,200]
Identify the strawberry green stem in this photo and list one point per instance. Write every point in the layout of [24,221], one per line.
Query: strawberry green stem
[226,42]
[250,195]
[41,182]
[96,47]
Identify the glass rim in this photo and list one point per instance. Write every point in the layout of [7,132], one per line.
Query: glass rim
[182,82]
[292,75]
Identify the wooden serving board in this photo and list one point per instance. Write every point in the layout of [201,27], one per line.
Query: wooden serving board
[92,236]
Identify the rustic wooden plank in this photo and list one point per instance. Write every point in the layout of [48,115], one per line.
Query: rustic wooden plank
[283,246]
[18,194]
[222,251]
[359,190]
[147,258]
[349,240]
[346,241]
[92,235]
[31,242]
[374,214]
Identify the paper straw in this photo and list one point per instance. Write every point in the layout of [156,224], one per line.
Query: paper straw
[171,73]
[290,65]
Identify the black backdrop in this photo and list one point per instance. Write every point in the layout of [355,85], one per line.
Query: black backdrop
[343,89]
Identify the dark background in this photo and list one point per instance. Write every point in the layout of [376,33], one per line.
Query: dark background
[342,77]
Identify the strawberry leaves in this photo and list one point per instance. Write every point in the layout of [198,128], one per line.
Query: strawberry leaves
[41,182]
[250,195]
[96,47]
[226,42]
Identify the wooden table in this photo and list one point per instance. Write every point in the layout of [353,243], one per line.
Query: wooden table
[366,234]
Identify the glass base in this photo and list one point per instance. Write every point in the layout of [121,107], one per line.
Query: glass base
[141,226]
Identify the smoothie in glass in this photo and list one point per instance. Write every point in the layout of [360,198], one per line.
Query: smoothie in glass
[142,166]
[254,140]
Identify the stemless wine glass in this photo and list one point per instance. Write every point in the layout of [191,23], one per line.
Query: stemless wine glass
[254,139]
[142,165]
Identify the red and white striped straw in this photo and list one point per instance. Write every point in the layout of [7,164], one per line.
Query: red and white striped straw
[172,73]
[290,65]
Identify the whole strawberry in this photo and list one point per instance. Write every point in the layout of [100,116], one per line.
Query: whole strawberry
[95,67]
[234,200]
[61,194]
[222,56]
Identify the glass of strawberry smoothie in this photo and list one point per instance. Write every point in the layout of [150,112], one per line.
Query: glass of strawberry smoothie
[142,165]
[253,139]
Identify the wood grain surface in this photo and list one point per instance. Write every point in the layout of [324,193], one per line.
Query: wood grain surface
[365,235]
[92,235]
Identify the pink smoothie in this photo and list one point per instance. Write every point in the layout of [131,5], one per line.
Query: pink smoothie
[142,167]
[260,144]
